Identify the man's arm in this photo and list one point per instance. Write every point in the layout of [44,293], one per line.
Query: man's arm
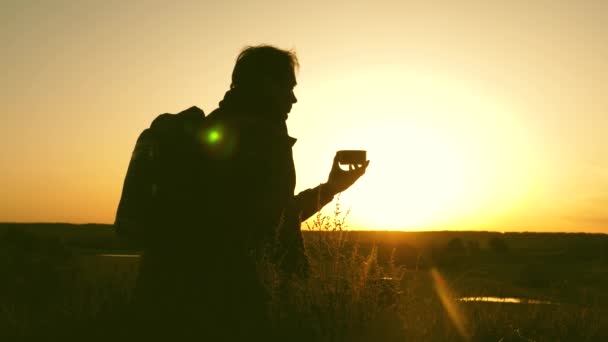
[310,201]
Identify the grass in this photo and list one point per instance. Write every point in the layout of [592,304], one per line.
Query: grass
[360,288]
[426,319]
[348,296]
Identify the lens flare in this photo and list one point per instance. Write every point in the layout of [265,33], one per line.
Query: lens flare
[218,140]
[214,136]
[449,304]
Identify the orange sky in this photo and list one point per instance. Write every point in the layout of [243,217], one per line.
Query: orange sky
[476,115]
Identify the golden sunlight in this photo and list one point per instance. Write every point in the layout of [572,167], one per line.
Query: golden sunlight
[443,156]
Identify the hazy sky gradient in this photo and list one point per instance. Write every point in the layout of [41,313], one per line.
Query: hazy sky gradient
[476,114]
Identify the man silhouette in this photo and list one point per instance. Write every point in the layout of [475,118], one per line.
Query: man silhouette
[260,172]
[231,179]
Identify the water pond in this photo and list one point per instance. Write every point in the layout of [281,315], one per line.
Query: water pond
[513,300]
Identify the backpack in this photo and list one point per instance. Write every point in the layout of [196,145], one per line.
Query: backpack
[159,177]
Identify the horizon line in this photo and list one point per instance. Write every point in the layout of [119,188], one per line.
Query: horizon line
[502,231]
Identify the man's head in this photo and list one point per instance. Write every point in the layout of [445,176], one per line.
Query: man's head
[269,73]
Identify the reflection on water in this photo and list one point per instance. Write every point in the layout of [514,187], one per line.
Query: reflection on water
[504,300]
[119,255]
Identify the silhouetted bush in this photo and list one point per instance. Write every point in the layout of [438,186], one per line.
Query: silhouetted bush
[473,247]
[498,245]
[455,246]
[452,255]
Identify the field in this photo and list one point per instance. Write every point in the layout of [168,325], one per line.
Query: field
[365,286]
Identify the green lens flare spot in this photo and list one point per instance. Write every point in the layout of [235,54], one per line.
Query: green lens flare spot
[214,136]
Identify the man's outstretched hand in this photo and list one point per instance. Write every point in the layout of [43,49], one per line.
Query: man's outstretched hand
[340,180]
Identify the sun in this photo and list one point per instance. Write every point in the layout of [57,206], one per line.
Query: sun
[443,154]
[417,178]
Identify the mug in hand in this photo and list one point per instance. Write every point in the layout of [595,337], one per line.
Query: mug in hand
[353,157]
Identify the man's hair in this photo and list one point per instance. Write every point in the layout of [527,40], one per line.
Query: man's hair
[256,63]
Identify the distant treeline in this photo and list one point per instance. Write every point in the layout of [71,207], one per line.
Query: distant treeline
[413,249]
[84,237]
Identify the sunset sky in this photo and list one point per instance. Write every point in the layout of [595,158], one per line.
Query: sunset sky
[475,114]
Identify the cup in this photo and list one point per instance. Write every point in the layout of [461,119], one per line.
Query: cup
[352,157]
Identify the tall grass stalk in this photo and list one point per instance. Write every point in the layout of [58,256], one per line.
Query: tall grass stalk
[347,295]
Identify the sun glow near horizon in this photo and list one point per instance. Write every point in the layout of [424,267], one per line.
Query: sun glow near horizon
[479,115]
[443,155]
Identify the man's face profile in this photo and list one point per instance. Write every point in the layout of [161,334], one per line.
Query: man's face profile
[281,93]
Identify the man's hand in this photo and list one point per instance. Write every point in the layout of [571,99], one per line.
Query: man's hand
[340,180]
